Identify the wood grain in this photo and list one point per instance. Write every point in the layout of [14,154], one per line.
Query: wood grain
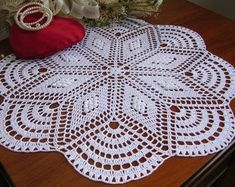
[53,170]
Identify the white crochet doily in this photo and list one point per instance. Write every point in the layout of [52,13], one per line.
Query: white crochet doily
[121,102]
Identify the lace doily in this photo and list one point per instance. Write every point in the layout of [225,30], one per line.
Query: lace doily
[121,102]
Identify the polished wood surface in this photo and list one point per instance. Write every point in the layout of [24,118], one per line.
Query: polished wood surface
[53,170]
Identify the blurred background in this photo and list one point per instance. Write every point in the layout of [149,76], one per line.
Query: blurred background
[223,7]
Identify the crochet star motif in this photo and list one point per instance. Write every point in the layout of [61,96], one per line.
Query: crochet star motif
[121,102]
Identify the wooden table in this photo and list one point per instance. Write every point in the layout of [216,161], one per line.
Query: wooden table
[52,169]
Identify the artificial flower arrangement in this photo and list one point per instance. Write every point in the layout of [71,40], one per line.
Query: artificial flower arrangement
[37,15]
[92,12]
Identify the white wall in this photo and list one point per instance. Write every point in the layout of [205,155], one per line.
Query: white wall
[224,7]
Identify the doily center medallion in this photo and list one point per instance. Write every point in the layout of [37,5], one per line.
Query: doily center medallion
[119,72]
[121,102]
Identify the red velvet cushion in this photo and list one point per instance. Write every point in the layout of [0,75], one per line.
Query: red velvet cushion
[60,34]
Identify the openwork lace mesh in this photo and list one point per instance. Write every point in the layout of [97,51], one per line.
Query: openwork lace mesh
[121,102]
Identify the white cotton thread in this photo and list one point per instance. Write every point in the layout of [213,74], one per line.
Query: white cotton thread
[118,109]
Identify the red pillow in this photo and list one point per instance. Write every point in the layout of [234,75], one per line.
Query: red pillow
[60,34]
